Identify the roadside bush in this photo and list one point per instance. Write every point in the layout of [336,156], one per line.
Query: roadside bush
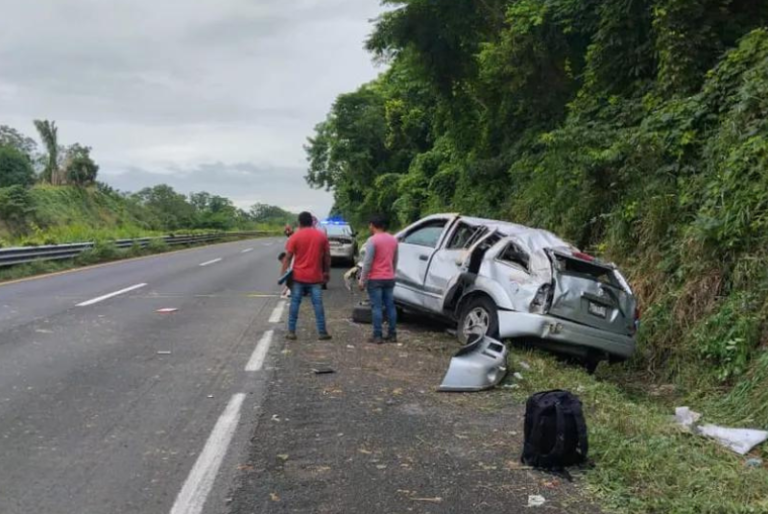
[15,168]
[102,251]
[15,205]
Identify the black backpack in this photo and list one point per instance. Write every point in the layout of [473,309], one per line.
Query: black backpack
[555,431]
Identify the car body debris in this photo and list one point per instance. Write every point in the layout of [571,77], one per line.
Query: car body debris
[536,500]
[740,440]
[480,365]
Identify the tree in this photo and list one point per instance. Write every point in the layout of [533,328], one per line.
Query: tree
[271,214]
[9,136]
[49,134]
[15,168]
[171,208]
[79,168]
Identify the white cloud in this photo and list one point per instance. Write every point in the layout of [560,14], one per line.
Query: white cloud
[165,87]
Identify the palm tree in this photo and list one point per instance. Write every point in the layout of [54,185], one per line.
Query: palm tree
[49,134]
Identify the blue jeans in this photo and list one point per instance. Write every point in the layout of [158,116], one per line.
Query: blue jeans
[382,295]
[316,294]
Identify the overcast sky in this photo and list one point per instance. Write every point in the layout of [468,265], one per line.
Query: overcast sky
[214,95]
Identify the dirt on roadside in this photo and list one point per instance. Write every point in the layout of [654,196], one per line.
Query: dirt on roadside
[374,436]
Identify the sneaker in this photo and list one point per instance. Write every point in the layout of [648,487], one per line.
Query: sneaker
[391,338]
[291,336]
[324,337]
[376,340]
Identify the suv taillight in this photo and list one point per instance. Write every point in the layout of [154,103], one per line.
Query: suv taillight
[541,300]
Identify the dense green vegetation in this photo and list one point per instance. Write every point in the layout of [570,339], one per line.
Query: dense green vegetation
[637,129]
[53,197]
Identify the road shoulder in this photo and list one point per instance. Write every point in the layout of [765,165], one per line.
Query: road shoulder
[375,436]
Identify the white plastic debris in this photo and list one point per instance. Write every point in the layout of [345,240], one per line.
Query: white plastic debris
[525,365]
[740,440]
[517,376]
[535,500]
[686,417]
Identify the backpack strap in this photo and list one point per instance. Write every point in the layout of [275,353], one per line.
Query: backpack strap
[581,428]
[556,454]
[533,435]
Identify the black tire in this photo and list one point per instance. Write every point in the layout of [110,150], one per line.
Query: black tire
[476,306]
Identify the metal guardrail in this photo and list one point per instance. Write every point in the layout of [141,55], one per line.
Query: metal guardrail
[28,254]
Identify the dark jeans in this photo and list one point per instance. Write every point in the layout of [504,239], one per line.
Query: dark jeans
[316,294]
[382,295]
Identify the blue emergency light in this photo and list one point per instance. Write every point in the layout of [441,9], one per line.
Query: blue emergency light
[333,221]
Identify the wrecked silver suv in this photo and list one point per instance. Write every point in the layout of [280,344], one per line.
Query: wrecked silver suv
[510,281]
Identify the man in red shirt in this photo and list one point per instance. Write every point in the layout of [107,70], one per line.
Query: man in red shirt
[310,252]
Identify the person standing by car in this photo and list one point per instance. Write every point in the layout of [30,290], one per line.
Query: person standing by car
[378,276]
[310,252]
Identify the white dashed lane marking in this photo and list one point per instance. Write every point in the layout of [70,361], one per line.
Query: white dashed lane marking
[260,352]
[110,295]
[277,314]
[194,493]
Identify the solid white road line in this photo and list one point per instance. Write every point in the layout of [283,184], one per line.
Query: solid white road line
[208,263]
[260,352]
[277,314]
[191,498]
[110,295]
[247,250]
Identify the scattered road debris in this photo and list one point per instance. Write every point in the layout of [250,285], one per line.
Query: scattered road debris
[479,365]
[167,310]
[437,499]
[535,500]
[517,375]
[322,371]
[164,352]
[524,365]
[754,463]
[740,440]
[686,417]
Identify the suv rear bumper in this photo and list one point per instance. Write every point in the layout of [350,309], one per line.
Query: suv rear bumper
[565,336]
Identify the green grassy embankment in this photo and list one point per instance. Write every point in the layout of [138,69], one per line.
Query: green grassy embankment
[59,215]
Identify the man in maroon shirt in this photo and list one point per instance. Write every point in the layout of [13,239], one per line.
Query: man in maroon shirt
[310,252]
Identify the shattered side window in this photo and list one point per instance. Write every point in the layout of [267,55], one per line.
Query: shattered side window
[426,235]
[462,236]
[513,254]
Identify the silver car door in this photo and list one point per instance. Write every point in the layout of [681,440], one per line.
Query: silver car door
[417,245]
[447,261]
[472,260]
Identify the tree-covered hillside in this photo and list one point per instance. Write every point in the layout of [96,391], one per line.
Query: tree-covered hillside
[52,196]
[635,128]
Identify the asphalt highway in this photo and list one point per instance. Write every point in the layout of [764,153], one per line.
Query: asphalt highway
[124,388]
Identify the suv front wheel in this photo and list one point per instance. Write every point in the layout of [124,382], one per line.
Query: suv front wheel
[478,316]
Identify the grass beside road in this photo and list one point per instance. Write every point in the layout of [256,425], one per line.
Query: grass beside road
[644,463]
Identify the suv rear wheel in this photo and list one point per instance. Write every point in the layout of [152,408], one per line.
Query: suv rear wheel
[478,316]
